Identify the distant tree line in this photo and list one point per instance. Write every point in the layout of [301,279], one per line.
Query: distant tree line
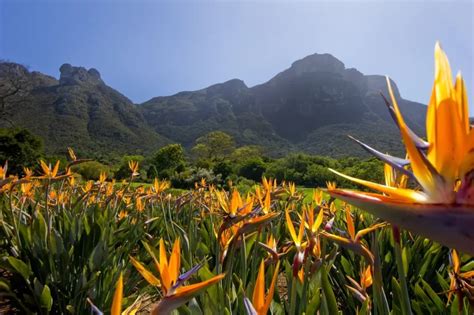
[215,157]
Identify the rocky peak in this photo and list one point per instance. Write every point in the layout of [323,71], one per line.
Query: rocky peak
[318,63]
[14,74]
[315,63]
[231,86]
[11,68]
[78,75]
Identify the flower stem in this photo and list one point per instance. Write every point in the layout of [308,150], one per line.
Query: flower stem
[293,296]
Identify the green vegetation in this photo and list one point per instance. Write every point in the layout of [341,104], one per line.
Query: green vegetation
[167,161]
[214,157]
[311,111]
[65,243]
[20,148]
[92,170]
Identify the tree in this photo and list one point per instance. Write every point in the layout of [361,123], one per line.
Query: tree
[224,168]
[20,148]
[91,170]
[167,161]
[253,169]
[214,146]
[247,152]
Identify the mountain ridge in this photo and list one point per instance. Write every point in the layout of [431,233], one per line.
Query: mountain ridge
[311,106]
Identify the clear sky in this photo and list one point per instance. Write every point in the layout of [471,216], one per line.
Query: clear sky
[151,48]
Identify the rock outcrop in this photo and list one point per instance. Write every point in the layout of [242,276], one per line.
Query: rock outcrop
[78,75]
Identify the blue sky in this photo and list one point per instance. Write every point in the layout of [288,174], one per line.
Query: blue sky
[151,48]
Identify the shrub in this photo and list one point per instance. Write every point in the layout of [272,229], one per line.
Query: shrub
[167,161]
[252,169]
[91,170]
[192,175]
[20,148]
[223,168]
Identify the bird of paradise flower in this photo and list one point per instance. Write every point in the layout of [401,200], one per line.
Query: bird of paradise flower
[175,293]
[442,209]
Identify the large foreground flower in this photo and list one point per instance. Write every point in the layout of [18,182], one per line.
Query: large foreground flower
[442,209]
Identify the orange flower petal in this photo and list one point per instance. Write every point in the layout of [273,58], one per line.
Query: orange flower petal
[350,223]
[147,275]
[271,291]
[406,195]
[116,308]
[175,261]
[258,297]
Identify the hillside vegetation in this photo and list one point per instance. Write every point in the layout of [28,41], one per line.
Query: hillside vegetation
[310,107]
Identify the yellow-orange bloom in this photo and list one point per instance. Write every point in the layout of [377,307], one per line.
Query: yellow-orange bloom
[175,294]
[3,171]
[353,242]
[160,186]
[260,302]
[133,166]
[443,208]
[48,171]
[359,290]
[312,223]
[297,238]
[71,153]
[461,282]
[235,206]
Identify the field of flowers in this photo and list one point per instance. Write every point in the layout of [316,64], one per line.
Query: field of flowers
[69,246]
[66,245]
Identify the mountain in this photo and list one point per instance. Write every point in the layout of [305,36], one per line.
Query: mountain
[312,106]
[77,110]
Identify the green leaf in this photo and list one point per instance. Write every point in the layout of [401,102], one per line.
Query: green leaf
[277,309]
[328,292]
[434,297]
[202,250]
[23,269]
[442,282]
[194,308]
[455,306]
[468,267]
[365,308]
[87,227]
[41,226]
[346,265]
[97,256]
[314,304]
[397,292]
[46,298]
[249,242]
[405,260]
[4,286]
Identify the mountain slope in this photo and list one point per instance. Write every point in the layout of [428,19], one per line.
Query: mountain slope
[79,110]
[312,106]
[227,106]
